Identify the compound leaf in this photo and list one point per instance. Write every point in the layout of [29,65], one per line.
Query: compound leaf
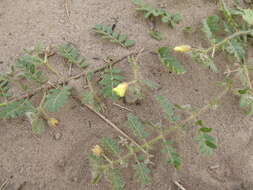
[56,98]
[205,141]
[167,107]
[96,169]
[173,157]
[113,176]
[15,109]
[71,54]
[110,79]
[107,33]
[210,26]
[203,59]
[142,173]
[170,61]
[111,146]
[164,15]
[136,126]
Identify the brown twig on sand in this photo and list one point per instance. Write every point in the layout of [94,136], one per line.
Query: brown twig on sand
[4,185]
[179,185]
[115,127]
[122,107]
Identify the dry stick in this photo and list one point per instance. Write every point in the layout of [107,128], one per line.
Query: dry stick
[122,107]
[179,185]
[110,123]
[51,85]
[5,183]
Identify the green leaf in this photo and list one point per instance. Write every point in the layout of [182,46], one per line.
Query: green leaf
[111,146]
[96,169]
[142,173]
[107,33]
[150,84]
[113,176]
[156,35]
[248,16]
[246,100]
[170,61]
[136,126]
[206,143]
[27,67]
[129,43]
[110,79]
[210,26]
[71,54]
[4,86]
[162,14]
[203,59]
[56,98]
[16,109]
[167,107]
[236,49]
[173,157]
[36,122]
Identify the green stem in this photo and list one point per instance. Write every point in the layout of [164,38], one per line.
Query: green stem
[236,34]
[170,129]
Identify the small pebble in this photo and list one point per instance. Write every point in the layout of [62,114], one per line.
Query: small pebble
[57,136]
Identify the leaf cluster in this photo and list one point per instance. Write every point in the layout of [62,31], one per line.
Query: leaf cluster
[72,55]
[169,61]
[107,32]
[165,16]
[110,79]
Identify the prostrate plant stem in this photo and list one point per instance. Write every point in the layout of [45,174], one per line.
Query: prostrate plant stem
[172,128]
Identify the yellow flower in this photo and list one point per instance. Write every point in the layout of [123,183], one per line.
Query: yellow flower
[182,48]
[97,150]
[52,122]
[120,90]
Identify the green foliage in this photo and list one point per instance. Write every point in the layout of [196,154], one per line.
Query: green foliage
[173,157]
[246,99]
[89,98]
[204,59]
[210,27]
[172,64]
[113,176]
[206,142]
[27,66]
[96,169]
[4,86]
[167,107]
[36,122]
[150,84]
[107,33]
[137,127]
[110,79]
[165,16]
[15,109]
[247,15]
[156,35]
[71,54]
[142,173]
[111,146]
[56,98]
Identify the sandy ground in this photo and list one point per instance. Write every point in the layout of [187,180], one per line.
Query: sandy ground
[30,163]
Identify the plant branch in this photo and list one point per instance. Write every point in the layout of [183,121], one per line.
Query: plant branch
[51,85]
[172,128]
[115,127]
[234,35]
